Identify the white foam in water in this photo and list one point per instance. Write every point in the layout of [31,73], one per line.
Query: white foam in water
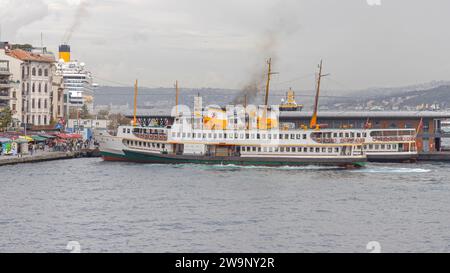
[370,169]
[233,166]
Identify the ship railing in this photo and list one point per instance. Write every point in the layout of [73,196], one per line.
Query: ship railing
[394,138]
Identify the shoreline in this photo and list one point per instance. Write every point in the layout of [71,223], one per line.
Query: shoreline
[48,156]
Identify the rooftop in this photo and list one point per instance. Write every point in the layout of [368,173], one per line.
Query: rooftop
[29,56]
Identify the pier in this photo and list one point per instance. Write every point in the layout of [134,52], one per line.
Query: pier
[46,156]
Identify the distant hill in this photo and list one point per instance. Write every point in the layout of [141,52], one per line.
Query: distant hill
[426,99]
[397,98]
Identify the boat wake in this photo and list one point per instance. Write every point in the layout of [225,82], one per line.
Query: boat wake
[243,167]
[377,169]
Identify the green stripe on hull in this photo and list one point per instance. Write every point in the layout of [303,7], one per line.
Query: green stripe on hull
[148,158]
[113,155]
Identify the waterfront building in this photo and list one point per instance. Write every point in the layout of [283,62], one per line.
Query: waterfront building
[6,94]
[38,93]
[10,91]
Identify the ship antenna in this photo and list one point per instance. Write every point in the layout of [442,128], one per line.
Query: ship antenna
[135,102]
[313,124]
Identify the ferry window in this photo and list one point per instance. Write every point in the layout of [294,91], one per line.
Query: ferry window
[304,136]
[204,135]
[258,136]
[330,150]
[263,136]
[270,149]
[265,149]
[189,135]
[163,146]
[317,150]
[215,135]
[394,146]
[358,135]
[157,145]
[276,149]
[178,134]
[286,136]
[292,136]
[253,136]
[364,134]
[352,134]
[275,136]
[383,147]
[365,147]
[336,150]
[305,150]
[225,136]
[282,149]
[377,147]
[311,150]
[298,136]
[269,136]
[324,150]
[346,135]
[288,149]
[389,146]
[259,149]
[128,130]
[153,145]
[341,134]
[184,135]
[241,136]
[281,136]
[370,147]
[254,149]
[209,135]
[220,135]
[124,130]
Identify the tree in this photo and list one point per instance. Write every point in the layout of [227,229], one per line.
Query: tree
[102,114]
[84,112]
[116,120]
[5,118]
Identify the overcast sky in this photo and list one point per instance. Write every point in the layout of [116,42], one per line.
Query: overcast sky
[222,43]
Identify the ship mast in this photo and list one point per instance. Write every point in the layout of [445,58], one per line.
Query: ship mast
[269,73]
[313,124]
[176,98]
[135,102]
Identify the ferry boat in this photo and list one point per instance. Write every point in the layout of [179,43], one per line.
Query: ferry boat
[239,147]
[210,136]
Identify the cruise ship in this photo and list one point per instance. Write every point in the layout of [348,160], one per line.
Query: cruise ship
[78,80]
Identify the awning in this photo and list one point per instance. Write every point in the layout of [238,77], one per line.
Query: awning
[38,138]
[47,136]
[26,138]
[4,140]
[20,140]
[69,136]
